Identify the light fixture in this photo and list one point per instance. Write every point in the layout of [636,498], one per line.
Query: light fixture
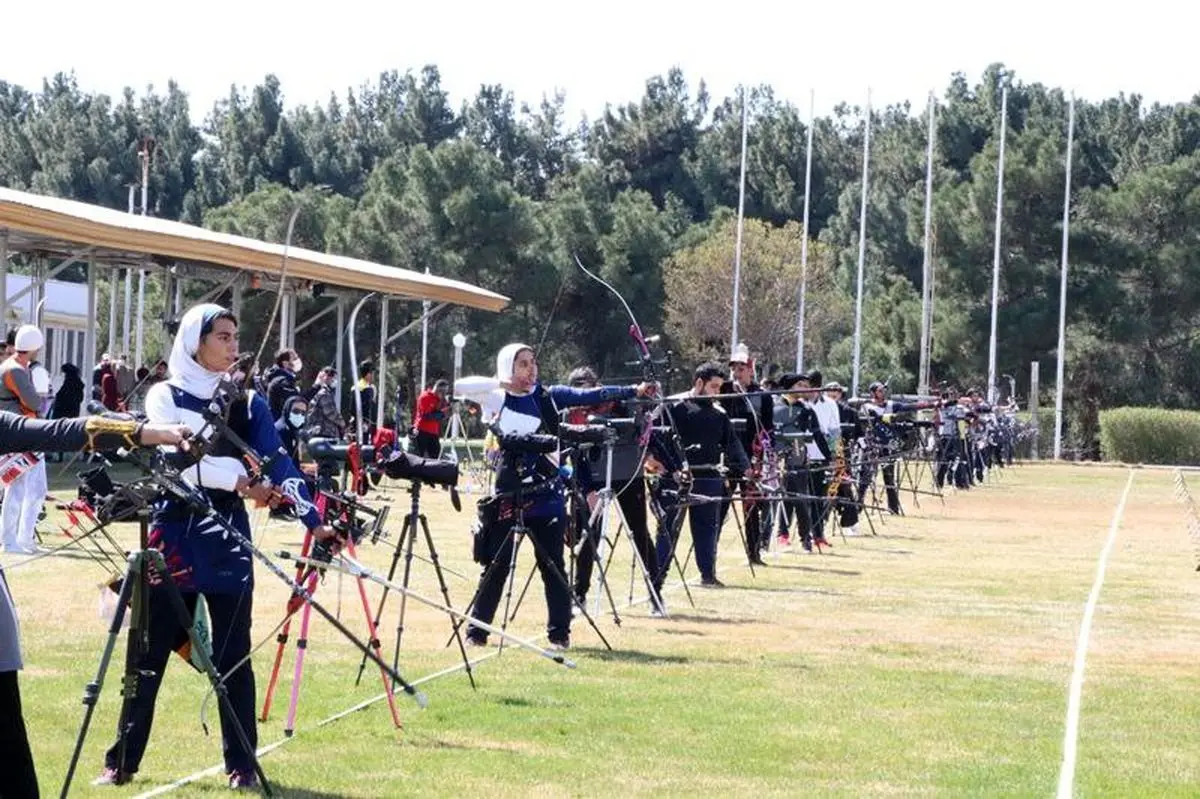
[459,341]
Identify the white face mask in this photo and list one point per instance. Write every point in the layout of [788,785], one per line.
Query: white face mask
[296,419]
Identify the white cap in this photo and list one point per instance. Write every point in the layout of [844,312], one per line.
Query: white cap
[740,354]
[29,338]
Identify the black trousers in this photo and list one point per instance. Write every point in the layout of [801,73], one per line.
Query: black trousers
[230,616]
[547,535]
[632,502]
[19,780]
[818,508]
[888,469]
[428,445]
[795,481]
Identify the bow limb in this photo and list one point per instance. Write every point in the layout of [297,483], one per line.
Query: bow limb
[615,293]
[283,270]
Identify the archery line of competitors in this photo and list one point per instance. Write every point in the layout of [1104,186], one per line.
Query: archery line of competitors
[793,458]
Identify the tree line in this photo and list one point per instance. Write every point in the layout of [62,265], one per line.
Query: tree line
[504,195]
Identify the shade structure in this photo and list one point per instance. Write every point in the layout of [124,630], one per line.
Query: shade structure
[54,225]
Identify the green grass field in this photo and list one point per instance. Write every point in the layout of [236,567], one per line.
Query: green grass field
[933,658]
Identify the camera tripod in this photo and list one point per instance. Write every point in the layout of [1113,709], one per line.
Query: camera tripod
[513,538]
[136,591]
[607,498]
[308,575]
[406,542]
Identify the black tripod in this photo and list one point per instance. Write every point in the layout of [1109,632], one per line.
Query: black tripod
[517,533]
[406,542]
[135,591]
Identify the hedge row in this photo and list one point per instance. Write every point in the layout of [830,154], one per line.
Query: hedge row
[1150,435]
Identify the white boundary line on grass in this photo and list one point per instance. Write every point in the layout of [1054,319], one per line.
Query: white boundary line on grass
[1066,776]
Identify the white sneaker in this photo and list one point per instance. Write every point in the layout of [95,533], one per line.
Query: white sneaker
[852,530]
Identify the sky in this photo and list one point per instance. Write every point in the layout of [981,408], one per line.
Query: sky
[602,53]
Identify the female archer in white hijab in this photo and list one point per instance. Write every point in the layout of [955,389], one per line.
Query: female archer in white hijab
[517,404]
[201,556]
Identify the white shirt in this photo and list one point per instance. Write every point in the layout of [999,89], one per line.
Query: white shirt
[210,472]
[828,416]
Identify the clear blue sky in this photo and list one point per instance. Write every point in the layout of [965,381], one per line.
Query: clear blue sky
[603,52]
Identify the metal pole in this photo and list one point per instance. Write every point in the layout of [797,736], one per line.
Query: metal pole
[862,249]
[128,308]
[737,250]
[991,388]
[1062,290]
[139,337]
[381,371]
[812,121]
[358,420]
[4,282]
[90,336]
[424,341]
[114,285]
[341,348]
[1035,414]
[927,266]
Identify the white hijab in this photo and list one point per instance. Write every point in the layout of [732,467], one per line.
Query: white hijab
[185,372]
[507,358]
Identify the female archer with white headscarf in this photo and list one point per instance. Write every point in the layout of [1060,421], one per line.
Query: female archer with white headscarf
[201,556]
[517,405]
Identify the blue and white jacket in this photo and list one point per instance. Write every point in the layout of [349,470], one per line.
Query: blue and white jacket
[200,554]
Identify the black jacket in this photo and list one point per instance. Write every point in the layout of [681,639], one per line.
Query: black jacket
[706,434]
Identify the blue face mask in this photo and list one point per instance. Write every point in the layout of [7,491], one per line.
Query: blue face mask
[296,419]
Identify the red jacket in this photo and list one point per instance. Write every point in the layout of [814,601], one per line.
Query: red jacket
[431,412]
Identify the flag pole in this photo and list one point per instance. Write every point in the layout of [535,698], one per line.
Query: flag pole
[1062,291]
[812,121]
[862,249]
[927,266]
[991,387]
[737,252]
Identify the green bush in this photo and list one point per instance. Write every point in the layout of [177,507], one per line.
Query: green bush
[1150,435]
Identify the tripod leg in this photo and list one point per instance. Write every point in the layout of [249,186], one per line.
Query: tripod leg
[484,580]
[383,600]
[410,538]
[210,669]
[437,569]
[301,647]
[517,533]
[91,693]
[550,568]
[520,597]
[374,640]
[746,509]
[593,541]
[282,638]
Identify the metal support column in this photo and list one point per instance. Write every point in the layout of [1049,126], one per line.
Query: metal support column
[381,369]
[114,282]
[3,281]
[89,347]
[341,347]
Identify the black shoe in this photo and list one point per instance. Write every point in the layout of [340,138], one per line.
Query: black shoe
[711,582]
[471,639]
[560,644]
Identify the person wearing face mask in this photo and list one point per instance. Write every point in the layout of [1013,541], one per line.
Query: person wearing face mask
[324,418]
[281,380]
[520,406]
[203,559]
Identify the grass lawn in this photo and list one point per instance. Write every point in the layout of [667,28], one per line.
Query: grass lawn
[933,658]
